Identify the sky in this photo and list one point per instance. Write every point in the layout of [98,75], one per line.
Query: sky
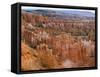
[59,9]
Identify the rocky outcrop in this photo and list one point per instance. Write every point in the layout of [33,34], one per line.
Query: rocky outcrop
[52,43]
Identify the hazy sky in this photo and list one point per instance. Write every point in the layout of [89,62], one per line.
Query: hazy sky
[35,8]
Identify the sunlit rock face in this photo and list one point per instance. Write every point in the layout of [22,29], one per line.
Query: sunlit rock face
[53,42]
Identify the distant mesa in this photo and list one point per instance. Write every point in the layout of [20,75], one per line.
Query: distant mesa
[62,13]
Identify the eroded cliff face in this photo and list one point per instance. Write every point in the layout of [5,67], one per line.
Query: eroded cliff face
[54,22]
[53,43]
